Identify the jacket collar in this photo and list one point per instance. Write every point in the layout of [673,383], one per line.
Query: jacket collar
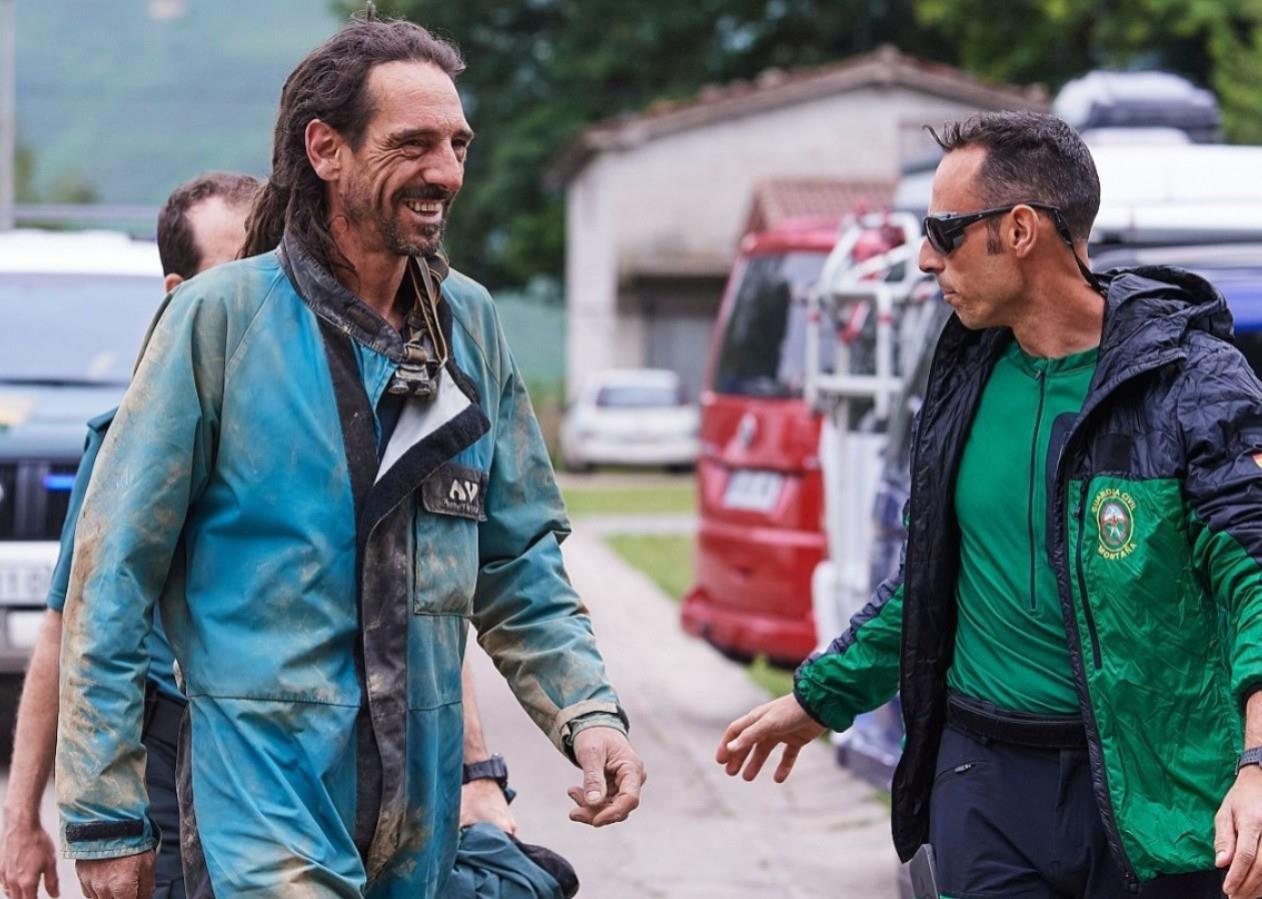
[332,302]
[1147,314]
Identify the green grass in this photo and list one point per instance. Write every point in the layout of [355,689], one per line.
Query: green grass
[776,681]
[677,496]
[666,559]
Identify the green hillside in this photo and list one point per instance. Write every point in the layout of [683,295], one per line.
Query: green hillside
[132,96]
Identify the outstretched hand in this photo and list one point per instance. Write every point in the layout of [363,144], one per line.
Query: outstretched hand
[613,774]
[756,735]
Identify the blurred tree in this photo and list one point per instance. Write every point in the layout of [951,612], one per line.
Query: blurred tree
[1217,43]
[540,70]
[24,173]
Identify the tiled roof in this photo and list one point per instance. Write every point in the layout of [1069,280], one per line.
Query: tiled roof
[779,200]
[776,88]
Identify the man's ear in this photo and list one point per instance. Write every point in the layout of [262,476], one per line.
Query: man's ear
[323,150]
[1023,233]
[172,281]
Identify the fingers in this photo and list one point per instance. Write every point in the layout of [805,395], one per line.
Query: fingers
[626,799]
[1224,836]
[51,882]
[592,758]
[785,768]
[1241,873]
[762,752]
[622,797]
[733,731]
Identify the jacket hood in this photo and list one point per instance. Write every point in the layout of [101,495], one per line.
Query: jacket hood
[1154,307]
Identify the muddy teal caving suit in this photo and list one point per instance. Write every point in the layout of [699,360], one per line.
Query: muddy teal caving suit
[316,587]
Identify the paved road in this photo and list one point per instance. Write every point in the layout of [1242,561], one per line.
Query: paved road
[699,834]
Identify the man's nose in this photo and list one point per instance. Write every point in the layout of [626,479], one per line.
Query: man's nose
[445,169]
[931,261]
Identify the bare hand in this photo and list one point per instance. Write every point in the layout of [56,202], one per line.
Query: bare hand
[482,802]
[28,855]
[1237,830]
[761,731]
[129,877]
[612,777]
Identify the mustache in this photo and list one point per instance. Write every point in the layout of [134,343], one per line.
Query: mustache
[428,192]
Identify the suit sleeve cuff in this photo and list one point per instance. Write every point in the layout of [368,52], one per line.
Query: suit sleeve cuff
[109,839]
[577,718]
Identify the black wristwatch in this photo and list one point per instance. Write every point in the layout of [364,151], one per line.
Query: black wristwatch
[1249,757]
[491,769]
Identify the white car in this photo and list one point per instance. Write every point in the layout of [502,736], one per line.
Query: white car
[73,310]
[638,417]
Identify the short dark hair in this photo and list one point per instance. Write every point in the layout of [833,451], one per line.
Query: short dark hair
[1030,156]
[177,247]
[331,85]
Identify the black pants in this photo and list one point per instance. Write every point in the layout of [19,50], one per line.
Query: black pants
[1018,823]
[161,737]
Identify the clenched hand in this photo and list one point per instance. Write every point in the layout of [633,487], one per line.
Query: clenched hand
[129,877]
[781,721]
[612,777]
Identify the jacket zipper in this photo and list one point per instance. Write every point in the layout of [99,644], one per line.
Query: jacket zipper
[1098,768]
[1034,446]
[1082,580]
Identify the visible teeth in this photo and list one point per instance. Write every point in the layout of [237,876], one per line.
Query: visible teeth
[424,207]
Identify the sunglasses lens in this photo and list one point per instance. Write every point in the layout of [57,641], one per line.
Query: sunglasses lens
[937,239]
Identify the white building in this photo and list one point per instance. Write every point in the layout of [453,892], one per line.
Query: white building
[656,203]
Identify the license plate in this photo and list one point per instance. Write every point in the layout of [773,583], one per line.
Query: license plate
[24,584]
[24,628]
[756,491]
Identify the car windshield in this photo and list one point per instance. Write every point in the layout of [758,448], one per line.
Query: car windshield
[763,352]
[638,396]
[73,329]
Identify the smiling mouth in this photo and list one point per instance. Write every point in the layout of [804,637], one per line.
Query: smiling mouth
[426,208]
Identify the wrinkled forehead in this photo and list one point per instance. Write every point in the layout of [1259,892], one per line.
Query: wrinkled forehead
[956,183]
[414,95]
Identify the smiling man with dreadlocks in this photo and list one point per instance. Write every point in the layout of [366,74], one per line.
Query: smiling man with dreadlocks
[329,451]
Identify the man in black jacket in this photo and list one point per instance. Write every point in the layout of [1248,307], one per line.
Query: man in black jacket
[1076,629]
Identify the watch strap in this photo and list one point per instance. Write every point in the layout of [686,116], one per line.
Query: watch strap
[488,769]
[1251,756]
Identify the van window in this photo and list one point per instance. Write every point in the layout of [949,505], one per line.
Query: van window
[1250,343]
[763,351]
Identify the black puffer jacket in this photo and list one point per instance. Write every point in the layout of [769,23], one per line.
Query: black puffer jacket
[1164,631]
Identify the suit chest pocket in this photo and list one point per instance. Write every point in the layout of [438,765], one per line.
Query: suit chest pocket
[450,504]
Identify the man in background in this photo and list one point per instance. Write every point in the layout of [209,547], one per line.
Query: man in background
[201,225]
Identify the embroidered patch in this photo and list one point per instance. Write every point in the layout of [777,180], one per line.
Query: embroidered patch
[1114,513]
[456,490]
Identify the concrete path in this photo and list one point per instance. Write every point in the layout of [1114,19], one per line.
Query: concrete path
[698,833]
[636,524]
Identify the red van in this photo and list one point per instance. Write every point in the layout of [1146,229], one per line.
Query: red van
[758,475]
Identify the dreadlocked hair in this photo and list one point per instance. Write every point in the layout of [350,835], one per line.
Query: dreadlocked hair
[331,85]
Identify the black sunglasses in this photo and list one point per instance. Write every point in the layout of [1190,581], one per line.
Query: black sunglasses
[946,232]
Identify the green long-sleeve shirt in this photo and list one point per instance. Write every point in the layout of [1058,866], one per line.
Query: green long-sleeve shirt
[1010,646]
